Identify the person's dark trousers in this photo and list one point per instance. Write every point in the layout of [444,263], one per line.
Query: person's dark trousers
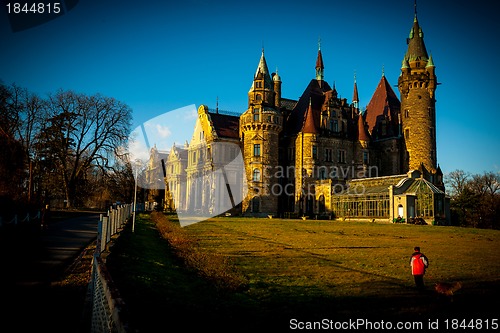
[419,281]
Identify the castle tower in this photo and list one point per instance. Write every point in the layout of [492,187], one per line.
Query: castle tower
[307,159]
[417,85]
[260,126]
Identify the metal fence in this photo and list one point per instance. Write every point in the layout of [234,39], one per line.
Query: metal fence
[104,306]
[17,219]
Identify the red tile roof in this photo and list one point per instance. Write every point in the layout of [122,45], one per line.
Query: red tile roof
[384,105]
[309,125]
[226,126]
[363,134]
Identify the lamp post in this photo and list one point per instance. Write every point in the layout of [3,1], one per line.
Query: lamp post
[135,195]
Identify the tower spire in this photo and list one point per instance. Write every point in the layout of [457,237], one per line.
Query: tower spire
[319,64]
[355,98]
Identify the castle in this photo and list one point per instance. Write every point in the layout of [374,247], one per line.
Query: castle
[319,156]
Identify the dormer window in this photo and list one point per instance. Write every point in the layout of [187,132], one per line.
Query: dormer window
[258,84]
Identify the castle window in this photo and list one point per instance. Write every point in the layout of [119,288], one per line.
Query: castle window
[407,113]
[256,175]
[407,133]
[341,156]
[328,155]
[256,115]
[321,204]
[256,149]
[314,151]
[366,158]
[258,84]
[270,119]
[258,97]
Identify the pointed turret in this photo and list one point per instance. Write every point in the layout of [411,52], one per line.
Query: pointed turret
[355,98]
[309,126]
[363,135]
[319,65]
[262,89]
[262,72]
[416,46]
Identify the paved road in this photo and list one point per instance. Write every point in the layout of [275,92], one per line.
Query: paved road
[31,260]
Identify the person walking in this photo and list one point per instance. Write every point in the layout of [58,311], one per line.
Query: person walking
[418,263]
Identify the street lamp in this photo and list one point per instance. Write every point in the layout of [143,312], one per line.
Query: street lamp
[135,194]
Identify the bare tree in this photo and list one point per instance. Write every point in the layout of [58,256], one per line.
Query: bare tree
[458,181]
[11,150]
[82,132]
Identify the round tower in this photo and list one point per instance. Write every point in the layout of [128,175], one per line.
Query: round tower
[417,85]
[260,126]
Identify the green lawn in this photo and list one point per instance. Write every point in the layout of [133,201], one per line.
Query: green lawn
[307,270]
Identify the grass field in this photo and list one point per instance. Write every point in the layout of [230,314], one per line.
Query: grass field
[312,270]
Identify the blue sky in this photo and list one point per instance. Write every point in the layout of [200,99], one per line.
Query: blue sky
[158,56]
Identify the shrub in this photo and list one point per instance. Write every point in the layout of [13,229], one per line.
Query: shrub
[211,266]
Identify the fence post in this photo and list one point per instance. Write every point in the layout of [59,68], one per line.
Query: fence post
[99,236]
[108,225]
[120,217]
[104,234]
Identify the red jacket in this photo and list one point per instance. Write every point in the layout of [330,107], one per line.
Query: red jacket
[418,263]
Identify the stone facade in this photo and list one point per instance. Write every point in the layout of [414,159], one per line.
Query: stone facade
[417,85]
[305,157]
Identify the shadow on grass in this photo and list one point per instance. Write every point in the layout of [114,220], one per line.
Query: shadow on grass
[160,292]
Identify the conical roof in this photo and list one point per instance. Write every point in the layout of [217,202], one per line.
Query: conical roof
[416,46]
[363,134]
[309,126]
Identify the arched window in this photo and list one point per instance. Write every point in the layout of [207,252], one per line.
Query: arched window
[258,97]
[321,204]
[256,175]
